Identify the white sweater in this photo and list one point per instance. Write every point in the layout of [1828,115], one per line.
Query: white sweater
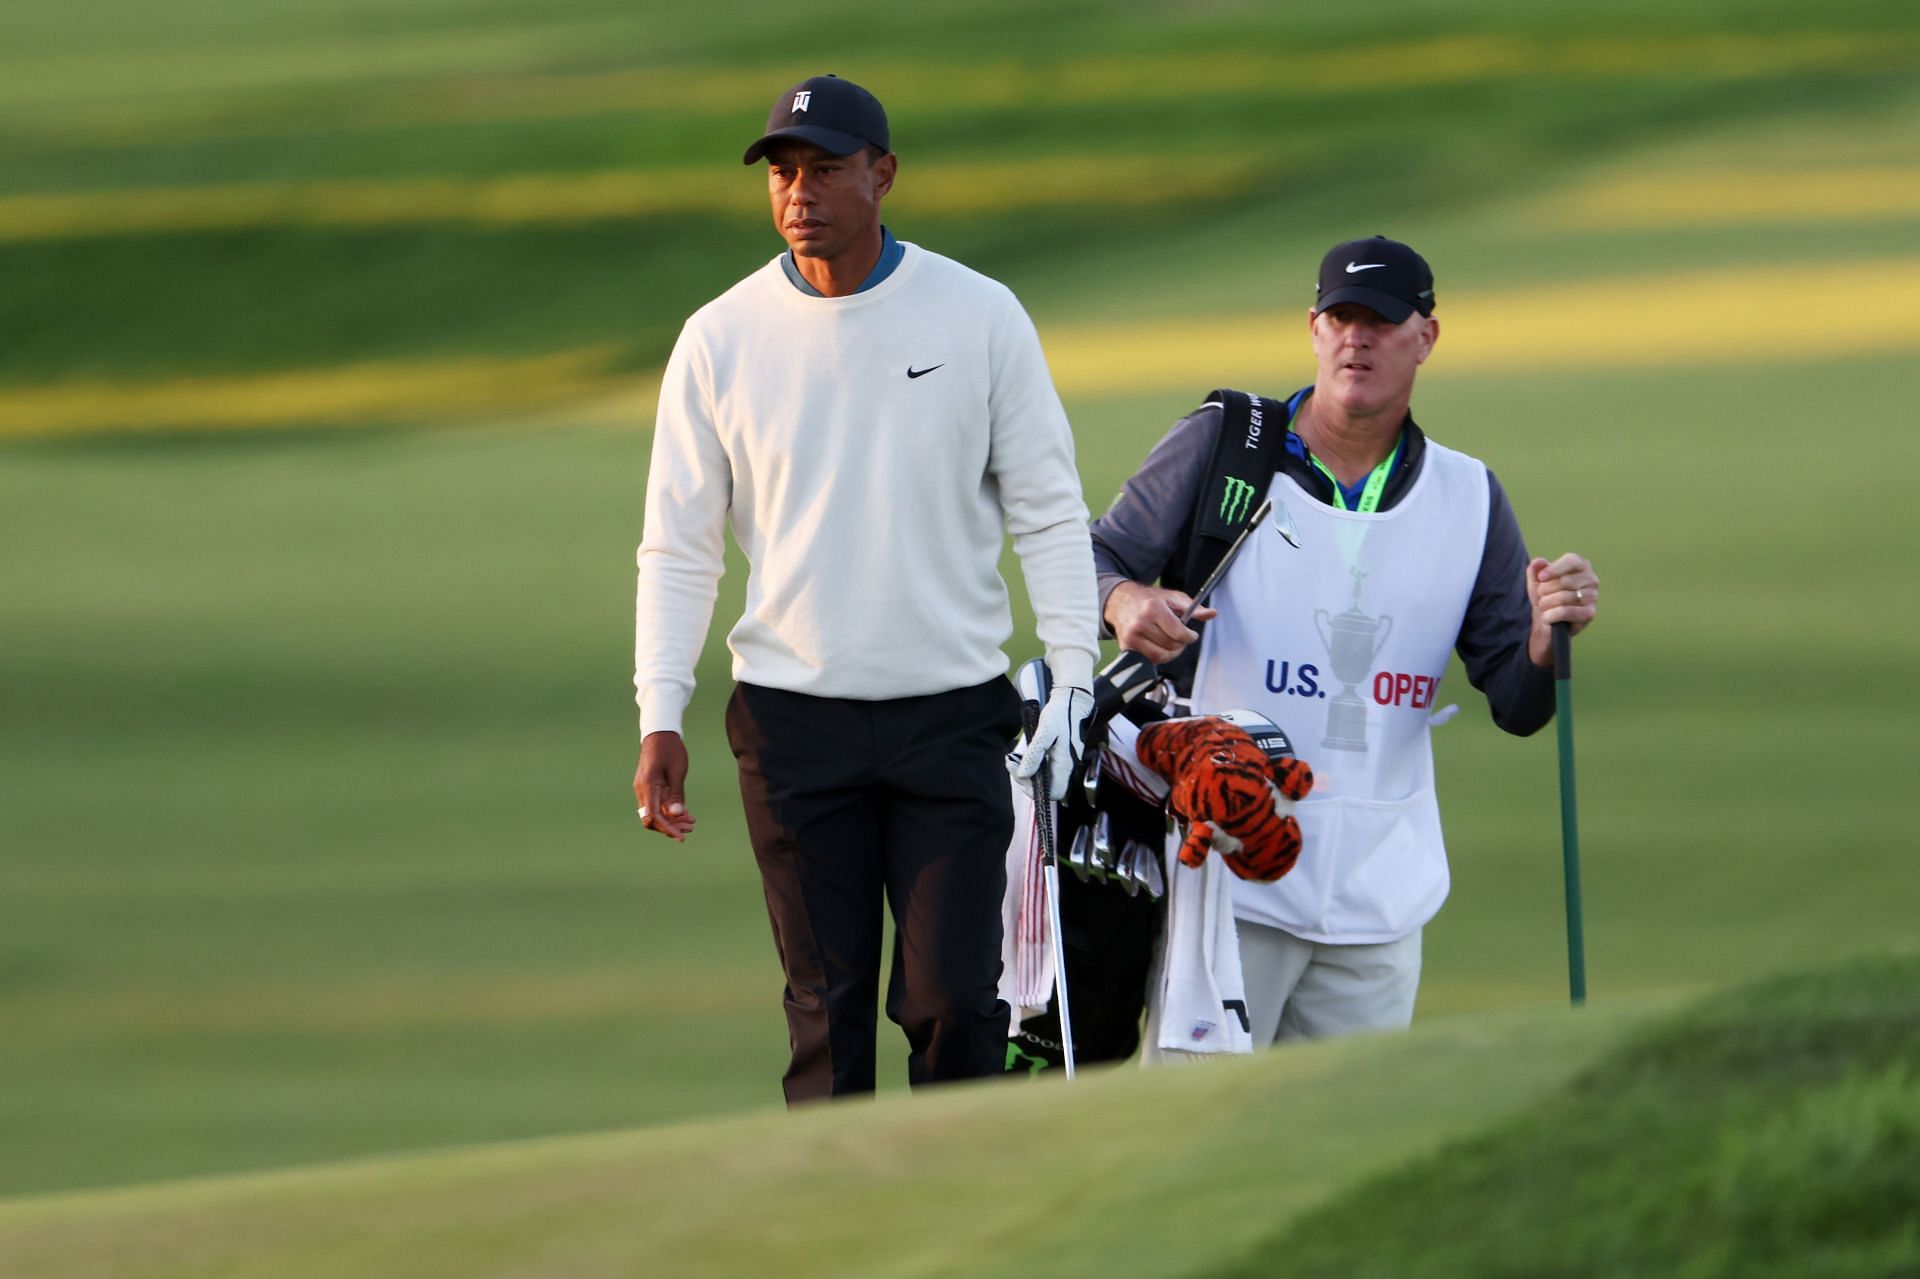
[872,505]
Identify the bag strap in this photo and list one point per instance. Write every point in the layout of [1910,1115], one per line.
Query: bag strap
[1245,454]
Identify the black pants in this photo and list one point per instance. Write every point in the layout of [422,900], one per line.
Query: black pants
[850,804]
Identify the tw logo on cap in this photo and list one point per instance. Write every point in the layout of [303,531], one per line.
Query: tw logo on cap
[801,99]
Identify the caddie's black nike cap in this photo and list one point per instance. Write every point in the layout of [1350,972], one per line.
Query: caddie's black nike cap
[1378,273]
[835,115]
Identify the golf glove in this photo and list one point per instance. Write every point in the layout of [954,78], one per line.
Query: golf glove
[1057,740]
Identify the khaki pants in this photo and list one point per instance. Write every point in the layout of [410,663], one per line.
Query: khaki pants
[1298,989]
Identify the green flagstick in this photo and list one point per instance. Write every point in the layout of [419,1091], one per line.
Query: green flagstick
[1569,814]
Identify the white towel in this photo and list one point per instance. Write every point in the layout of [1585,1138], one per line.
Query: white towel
[1026,945]
[1120,761]
[1196,995]
[1026,950]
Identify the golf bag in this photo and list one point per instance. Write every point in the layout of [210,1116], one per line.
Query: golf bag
[1112,904]
[1108,929]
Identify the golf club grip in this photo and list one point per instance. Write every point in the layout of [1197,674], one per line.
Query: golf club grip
[1562,650]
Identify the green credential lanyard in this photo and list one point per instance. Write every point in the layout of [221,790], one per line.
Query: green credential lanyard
[1376,482]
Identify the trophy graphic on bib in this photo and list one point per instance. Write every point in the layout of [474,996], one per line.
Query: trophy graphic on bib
[1353,640]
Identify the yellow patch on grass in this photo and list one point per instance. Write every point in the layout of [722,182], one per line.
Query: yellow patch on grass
[403,390]
[1738,197]
[565,199]
[1791,311]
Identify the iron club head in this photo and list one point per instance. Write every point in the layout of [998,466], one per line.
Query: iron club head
[1103,838]
[1077,860]
[1154,876]
[1090,776]
[1101,851]
[1283,525]
[1131,877]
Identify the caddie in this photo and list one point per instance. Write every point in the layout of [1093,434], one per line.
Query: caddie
[870,419]
[1407,551]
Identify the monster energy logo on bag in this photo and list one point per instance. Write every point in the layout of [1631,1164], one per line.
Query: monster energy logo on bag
[1235,498]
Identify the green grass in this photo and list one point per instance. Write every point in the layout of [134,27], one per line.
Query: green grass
[483,90]
[1772,1132]
[318,839]
[1767,1131]
[317,748]
[314,746]
[1122,1173]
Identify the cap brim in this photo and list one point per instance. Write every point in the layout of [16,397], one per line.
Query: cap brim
[832,141]
[1394,309]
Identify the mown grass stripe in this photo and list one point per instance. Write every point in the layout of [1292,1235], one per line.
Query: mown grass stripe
[1710,197]
[569,199]
[30,80]
[933,85]
[1722,316]
[478,83]
[1738,197]
[1647,321]
[409,390]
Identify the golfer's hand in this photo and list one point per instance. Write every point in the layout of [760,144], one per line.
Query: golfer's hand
[1057,740]
[1146,619]
[659,785]
[1563,590]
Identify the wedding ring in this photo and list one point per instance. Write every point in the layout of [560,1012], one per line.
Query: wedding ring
[1580,595]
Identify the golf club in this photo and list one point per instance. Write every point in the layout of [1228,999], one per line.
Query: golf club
[1130,674]
[1103,843]
[1148,860]
[1233,549]
[1128,868]
[1091,767]
[1079,861]
[1035,684]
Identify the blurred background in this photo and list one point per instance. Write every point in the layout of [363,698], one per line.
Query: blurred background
[329,332]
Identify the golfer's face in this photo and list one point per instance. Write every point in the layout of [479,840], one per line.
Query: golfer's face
[1366,361]
[821,202]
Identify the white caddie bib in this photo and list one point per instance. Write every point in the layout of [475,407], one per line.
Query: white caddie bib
[1342,643]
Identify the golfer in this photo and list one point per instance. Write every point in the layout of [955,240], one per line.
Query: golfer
[870,419]
[1408,550]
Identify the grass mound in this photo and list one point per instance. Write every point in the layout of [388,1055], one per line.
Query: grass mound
[1122,1173]
[1771,1132]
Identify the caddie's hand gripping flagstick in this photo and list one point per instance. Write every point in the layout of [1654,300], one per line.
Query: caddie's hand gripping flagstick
[1035,683]
[1569,814]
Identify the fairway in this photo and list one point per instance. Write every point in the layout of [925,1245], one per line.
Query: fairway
[1648,321]
[324,423]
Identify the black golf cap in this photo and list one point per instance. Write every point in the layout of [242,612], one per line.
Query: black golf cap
[1378,273]
[835,115]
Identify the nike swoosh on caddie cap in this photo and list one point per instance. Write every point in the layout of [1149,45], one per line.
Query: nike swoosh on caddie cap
[1363,266]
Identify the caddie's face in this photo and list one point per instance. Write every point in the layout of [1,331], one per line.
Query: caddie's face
[824,203]
[1365,362]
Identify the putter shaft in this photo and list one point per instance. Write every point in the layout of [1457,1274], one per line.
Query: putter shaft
[1050,864]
